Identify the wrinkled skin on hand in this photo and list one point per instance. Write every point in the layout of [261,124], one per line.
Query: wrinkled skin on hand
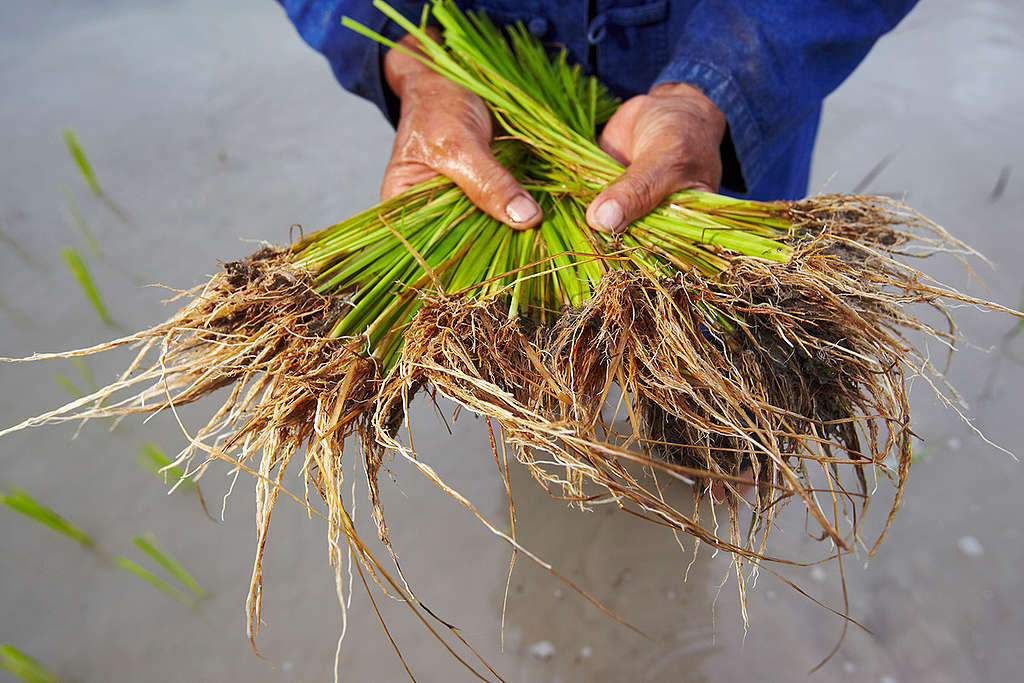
[668,140]
[445,129]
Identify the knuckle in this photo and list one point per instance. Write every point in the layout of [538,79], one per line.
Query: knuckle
[639,191]
[638,102]
[494,180]
[676,164]
[684,163]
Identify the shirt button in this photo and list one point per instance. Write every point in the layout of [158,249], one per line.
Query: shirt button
[598,29]
[538,26]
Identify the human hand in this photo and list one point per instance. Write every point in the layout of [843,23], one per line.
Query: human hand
[669,141]
[445,129]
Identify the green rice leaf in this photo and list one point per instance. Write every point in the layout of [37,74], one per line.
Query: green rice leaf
[67,385]
[154,580]
[80,222]
[70,387]
[75,149]
[86,373]
[17,499]
[22,666]
[76,264]
[148,544]
[156,461]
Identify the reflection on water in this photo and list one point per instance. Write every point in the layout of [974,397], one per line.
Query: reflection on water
[634,568]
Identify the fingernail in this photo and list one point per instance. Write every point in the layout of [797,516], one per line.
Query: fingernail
[609,216]
[522,209]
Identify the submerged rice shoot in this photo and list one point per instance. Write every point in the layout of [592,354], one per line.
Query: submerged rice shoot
[23,667]
[152,579]
[149,545]
[18,499]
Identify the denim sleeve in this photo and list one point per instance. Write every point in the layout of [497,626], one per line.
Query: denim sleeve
[768,65]
[354,59]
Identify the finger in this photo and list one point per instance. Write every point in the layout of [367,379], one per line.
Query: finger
[638,191]
[490,186]
[718,486]
[401,176]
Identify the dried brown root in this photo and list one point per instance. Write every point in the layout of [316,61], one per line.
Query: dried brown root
[259,328]
[794,373]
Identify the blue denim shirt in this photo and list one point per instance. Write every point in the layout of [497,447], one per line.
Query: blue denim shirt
[767,65]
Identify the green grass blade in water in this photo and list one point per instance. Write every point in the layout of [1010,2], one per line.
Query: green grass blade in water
[76,264]
[86,373]
[23,667]
[154,460]
[82,224]
[154,580]
[78,154]
[148,545]
[67,385]
[70,387]
[20,501]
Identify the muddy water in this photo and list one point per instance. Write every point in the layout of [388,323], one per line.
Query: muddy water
[213,127]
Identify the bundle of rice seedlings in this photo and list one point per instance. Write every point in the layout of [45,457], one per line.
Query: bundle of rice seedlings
[751,343]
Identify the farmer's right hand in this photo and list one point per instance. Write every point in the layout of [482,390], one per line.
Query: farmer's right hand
[444,129]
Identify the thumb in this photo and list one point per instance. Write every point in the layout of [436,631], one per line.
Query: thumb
[489,185]
[638,191]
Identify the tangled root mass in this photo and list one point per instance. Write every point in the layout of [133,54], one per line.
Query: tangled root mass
[777,375]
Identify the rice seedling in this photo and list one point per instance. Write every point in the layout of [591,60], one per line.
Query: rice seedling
[67,385]
[85,168]
[82,224]
[156,461]
[148,544]
[154,580]
[19,664]
[86,373]
[17,499]
[761,344]
[78,155]
[76,264]
[91,240]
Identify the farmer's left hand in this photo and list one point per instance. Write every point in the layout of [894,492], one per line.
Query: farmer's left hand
[669,140]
